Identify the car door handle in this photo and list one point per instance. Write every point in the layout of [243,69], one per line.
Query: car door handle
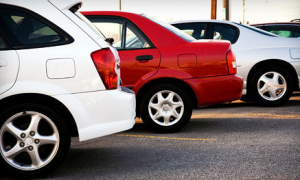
[3,63]
[144,58]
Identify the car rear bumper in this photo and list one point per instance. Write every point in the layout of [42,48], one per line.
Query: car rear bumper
[215,90]
[296,65]
[101,113]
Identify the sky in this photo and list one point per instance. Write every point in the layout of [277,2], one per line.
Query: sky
[256,11]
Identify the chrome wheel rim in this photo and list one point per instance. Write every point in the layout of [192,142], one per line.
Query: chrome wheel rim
[166,108]
[29,140]
[271,86]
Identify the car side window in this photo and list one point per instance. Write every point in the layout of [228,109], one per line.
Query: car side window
[110,29]
[224,32]
[284,31]
[27,30]
[196,30]
[134,40]
[2,44]
[125,35]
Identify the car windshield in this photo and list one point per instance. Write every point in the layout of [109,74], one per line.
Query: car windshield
[256,30]
[173,29]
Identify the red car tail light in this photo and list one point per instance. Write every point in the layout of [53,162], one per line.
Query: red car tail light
[105,62]
[231,63]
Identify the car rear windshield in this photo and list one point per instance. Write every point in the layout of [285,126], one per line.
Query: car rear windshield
[173,29]
[256,30]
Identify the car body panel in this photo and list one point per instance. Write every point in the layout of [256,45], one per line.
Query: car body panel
[8,69]
[132,70]
[202,87]
[210,60]
[89,112]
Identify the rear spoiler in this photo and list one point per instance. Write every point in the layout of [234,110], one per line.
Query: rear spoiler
[72,5]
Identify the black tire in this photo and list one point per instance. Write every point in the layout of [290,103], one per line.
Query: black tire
[178,104]
[279,84]
[246,98]
[42,147]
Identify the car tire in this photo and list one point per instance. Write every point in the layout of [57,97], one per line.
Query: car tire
[33,140]
[246,98]
[166,108]
[271,86]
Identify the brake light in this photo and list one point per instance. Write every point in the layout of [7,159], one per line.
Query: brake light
[105,62]
[231,62]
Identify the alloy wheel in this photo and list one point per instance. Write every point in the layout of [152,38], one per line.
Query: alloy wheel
[29,140]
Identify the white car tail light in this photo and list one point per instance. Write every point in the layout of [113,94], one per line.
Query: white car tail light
[231,62]
[105,62]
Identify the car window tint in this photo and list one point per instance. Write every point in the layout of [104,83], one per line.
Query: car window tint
[111,30]
[27,29]
[2,44]
[125,35]
[134,40]
[224,32]
[259,27]
[256,29]
[196,30]
[284,31]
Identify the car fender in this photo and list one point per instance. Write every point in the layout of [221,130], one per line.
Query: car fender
[162,73]
[248,58]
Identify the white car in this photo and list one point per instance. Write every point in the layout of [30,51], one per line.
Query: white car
[58,78]
[269,64]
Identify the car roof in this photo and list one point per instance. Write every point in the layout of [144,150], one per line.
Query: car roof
[277,23]
[194,21]
[62,5]
[108,12]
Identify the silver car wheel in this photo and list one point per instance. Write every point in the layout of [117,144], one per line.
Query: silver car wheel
[166,108]
[29,140]
[271,86]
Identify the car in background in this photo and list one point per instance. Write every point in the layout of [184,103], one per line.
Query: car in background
[283,29]
[295,20]
[269,64]
[170,72]
[58,78]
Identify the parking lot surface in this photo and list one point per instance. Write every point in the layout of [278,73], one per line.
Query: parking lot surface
[227,141]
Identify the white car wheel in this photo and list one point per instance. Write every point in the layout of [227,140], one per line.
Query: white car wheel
[33,140]
[166,108]
[271,86]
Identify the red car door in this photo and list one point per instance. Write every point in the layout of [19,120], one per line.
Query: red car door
[138,65]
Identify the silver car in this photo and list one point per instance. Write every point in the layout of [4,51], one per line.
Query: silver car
[269,64]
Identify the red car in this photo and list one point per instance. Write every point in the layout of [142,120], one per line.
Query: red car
[170,72]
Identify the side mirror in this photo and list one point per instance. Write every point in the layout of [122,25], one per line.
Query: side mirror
[110,41]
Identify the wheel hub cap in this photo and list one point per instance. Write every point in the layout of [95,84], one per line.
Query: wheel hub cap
[28,141]
[166,108]
[271,86]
